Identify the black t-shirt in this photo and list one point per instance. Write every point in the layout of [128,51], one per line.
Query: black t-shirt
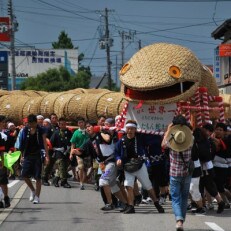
[33,148]
[130,146]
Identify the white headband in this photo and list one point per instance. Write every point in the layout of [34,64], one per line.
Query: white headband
[130,125]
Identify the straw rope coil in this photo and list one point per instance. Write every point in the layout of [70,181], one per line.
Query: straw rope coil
[109,104]
[12,106]
[47,103]
[92,103]
[32,106]
[76,106]
[60,105]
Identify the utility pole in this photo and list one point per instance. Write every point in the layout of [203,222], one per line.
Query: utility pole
[108,50]
[128,36]
[139,42]
[105,42]
[13,25]
[122,49]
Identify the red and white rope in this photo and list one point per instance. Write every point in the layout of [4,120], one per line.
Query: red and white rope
[198,105]
[204,92]
[219,99]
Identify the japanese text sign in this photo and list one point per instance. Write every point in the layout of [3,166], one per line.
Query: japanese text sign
[151,117]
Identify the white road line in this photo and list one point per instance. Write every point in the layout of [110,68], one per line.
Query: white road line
[14,202]
[13,183]
[214,226]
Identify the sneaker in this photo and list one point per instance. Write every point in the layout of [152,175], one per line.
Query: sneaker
[149,200]
[108,207]
[221,207]
[65,185]
[227,206]
[210,206]
[144,201]
[199,211]
[123,207]
[162,201]
[82,187]
[130,209]
[7,201]
[36,200]
[32,195]
[179,227]
[159,207]
[1,205]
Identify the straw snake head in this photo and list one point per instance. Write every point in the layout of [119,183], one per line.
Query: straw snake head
[162,73]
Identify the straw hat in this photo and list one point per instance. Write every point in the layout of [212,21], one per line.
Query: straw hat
[180,138]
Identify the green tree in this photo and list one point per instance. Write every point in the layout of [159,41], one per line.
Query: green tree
[64,42]
[56,80]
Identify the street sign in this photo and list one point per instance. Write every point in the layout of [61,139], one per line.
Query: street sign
[4,29]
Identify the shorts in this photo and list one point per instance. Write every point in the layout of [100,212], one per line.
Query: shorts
[3,176]
[85,162]
[141,175]
[32,167]
[109,176]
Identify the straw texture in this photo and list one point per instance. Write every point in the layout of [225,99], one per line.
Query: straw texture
[60,104]
[77,106]
[109,104]
[150,69]
[12,107]
[32,106]
[207,80]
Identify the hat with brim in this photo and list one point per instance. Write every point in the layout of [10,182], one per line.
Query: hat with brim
[180,138]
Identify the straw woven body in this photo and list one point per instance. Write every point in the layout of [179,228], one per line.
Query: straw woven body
[12,107]
[60,104]
[110,104]
[32,106]
[47,103]
[77,106]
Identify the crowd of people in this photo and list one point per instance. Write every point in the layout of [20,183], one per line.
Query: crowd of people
[185,164]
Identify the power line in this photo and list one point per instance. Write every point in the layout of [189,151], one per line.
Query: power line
[69,11]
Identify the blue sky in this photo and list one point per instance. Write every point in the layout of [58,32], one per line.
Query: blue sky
[186,23]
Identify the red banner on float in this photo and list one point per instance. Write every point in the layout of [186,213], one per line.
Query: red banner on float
[4,29]
[225,50]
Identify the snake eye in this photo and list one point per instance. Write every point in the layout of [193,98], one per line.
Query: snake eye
[125,68]
[174,72]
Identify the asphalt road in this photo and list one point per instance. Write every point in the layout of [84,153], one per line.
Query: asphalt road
[72,209]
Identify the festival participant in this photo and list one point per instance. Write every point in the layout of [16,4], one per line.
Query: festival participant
[178,138]
[33,140]
[79,138]
[156,164]
[202,148]
[12,133]
[47,169]
[54,122]
[220,161]
[40,119]
[130,149]
[101,148]
[3,171]
[60,141]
